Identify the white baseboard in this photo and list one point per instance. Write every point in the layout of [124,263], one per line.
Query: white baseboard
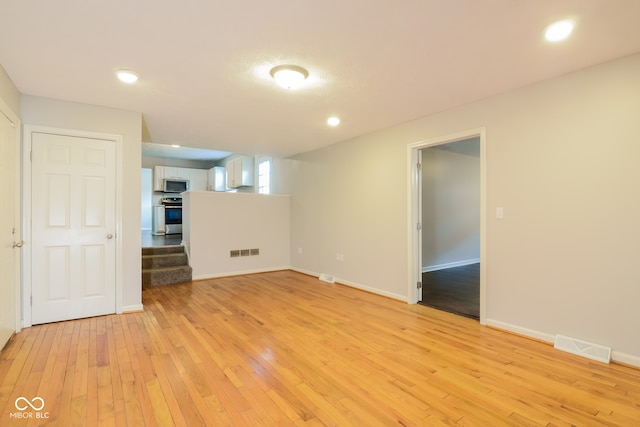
[354,285]
[436,267]
[132,308]
[616,356]
[238,273]
[627,359]
[531,333]
[372,290]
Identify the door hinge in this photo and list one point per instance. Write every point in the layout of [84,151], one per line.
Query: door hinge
[419,226]
[419,167]
[419,285]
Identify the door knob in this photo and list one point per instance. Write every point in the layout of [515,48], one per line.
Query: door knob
[109,236]
[18,244]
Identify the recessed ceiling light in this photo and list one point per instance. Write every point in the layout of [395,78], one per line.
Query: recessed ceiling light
[127,76]
[289,76]
[333,121]
[175,145]
[559,31]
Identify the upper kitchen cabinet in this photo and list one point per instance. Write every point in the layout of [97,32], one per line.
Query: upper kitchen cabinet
[240,172]
[217,179]
[160,173]
[197,177]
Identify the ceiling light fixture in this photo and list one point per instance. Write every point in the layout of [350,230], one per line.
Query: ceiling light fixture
[175,145]
[559,31]
[289,76]
[333,121]
[127,76]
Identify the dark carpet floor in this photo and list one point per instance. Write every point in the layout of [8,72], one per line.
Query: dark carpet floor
[456,290]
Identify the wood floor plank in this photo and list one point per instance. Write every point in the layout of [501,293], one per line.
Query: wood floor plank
[283,348]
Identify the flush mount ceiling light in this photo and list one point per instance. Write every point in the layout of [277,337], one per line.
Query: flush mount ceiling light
[559,31]
[127,76]
[333,121]
[289,76]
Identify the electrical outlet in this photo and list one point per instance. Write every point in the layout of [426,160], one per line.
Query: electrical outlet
[299,250]
[340,257]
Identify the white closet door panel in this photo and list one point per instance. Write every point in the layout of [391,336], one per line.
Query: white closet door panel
[73,227]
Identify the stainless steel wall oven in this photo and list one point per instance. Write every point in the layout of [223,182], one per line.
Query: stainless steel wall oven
[172,214]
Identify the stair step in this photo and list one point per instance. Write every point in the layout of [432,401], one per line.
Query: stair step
[166,275]
[165,265]
[164,260]
[162,250]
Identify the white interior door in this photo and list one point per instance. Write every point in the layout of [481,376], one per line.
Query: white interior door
[73,214]
[9,229]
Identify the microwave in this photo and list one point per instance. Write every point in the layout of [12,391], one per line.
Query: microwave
[175,185]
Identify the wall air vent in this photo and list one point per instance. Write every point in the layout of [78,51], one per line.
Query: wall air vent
[244,252]
[583,348]
[327,278]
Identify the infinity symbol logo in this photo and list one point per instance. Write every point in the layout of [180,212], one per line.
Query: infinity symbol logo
[33,401]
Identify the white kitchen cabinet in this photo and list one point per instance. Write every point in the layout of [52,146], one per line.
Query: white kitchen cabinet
[217,179]
[158,220]
[174,172]
[160,173]
[198,179]
[158,178]
[240,172]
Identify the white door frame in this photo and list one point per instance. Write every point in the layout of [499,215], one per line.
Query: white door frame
[15,122]
[414,209]
[29,130]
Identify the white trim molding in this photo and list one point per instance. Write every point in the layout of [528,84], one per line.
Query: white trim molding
[414,249]
[355,285]
[28,132]
[616,356]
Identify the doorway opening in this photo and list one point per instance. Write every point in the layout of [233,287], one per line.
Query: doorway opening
[447,223]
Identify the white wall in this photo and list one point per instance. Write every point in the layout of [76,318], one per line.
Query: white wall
[562,159]
[150,162]
[69,115]
[450,208]
[10,306]
[9,93]
[215,223]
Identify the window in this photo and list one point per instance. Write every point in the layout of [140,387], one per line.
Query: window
[264,175]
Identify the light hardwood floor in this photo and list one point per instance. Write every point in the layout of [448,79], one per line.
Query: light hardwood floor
[285,349]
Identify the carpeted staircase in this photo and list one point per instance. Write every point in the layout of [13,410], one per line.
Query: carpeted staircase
[165,265]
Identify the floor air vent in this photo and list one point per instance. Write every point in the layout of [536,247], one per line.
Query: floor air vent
[583,348]
[327,278]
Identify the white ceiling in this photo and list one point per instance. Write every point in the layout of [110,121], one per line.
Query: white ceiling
[151,149]
[204,65]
